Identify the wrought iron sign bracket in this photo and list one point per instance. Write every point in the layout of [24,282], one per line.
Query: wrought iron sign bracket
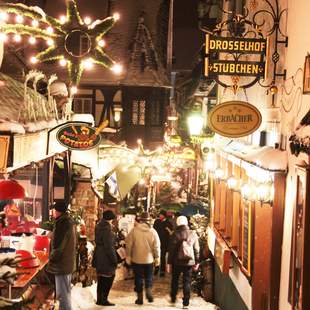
[221,61]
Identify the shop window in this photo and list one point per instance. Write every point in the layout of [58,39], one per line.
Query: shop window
[155,114]
[138,112]
[30,208]
[246,235]
[82,105]
[299,266]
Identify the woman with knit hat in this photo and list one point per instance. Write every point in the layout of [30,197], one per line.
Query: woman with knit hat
[105,257]
[183,256]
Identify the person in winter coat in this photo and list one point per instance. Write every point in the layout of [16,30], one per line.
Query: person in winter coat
[62,257]
[179,263]
[142,251]
[105,257]
[163,228]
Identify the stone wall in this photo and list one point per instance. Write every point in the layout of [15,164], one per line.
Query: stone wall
[85,198]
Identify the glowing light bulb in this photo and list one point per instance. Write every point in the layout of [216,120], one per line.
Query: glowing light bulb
[139,141]
[232,183]
[73,90]
[50,42]
[3,37]
[63,19]
[219,173]
[88,63]
[32,40]
[246,191]
[263,192]
[117,68]
[101,43]
[87,20]
[33,60]
[19,19]
[63,62]
[4,16]
[49,29]
[35,23]
[17,38]
[116,16]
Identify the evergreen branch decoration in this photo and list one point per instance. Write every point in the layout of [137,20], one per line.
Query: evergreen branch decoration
[100,28]
[101,58]
[26,30]
[24,10]
[49,54]
[73,15]
[64,37]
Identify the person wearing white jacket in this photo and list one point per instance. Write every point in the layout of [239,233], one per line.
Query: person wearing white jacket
[142,252]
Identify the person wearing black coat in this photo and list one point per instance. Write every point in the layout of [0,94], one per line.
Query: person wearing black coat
[62,259]
[164,228]
[105,257]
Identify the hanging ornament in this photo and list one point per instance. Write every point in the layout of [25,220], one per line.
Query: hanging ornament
[78,42]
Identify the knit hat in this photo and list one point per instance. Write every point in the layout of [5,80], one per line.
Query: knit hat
[163,212]
[108,215]
[60,206]
[182,220]
[144,217]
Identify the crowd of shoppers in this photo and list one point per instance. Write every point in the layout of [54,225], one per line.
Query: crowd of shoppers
[169,245]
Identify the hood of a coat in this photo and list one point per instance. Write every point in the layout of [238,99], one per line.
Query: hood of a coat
[144,227]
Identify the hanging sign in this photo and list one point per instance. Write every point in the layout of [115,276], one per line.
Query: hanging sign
[227,56]
[240,68]
[4,150]
[235,45]
[234,119]
[78,136]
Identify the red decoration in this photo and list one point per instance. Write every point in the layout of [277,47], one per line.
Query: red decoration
[11,189]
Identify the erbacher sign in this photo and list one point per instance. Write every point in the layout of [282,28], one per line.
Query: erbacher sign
[235,47]
[78,136]
[234,119]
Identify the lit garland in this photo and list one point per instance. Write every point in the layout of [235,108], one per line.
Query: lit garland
[58,35]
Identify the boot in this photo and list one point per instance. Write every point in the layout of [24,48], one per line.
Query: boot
[149,295]
[139,300]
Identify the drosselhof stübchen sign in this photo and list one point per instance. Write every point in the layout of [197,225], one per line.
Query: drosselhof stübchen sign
[234,119]
[214,66]
[78,136]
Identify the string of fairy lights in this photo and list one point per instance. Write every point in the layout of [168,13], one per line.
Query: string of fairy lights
[61,37]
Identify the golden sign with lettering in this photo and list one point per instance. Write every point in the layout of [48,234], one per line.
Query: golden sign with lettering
[217,47]
[234,119]
[4,149]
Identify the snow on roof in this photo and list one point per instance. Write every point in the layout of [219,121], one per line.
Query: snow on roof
[15,116]
[265,157]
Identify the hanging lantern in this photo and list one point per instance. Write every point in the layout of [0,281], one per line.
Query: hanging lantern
[11,189]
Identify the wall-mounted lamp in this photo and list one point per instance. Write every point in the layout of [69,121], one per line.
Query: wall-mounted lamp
[246,191]
[117,112]
[219,173]
[195,122]
[264,192]
[232,183]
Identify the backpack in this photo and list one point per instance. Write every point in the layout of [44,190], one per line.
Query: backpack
[186,250]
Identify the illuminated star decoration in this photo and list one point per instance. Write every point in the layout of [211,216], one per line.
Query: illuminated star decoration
[63,37]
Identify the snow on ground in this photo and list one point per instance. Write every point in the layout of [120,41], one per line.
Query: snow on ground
[123,296]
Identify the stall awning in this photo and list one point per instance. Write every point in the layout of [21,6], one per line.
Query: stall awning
[265,157]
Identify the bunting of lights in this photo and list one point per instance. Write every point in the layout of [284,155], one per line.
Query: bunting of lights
[63,36]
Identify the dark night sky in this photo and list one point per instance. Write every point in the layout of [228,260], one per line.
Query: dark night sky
[188,39]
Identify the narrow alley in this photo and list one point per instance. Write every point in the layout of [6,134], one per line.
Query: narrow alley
[123,296]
